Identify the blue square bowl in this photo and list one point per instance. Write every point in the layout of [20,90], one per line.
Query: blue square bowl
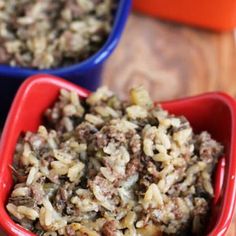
[86,73]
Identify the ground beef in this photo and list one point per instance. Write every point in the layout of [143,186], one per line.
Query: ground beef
[109,228]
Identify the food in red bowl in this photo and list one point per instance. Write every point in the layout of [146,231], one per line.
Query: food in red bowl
[27,114]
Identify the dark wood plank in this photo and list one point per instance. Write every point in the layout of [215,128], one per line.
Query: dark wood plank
[171,61]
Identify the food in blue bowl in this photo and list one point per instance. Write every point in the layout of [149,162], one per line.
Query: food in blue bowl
[68,38]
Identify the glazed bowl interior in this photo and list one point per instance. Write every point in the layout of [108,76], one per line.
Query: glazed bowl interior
[214,112]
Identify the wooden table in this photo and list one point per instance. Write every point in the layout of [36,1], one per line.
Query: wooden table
[172,61]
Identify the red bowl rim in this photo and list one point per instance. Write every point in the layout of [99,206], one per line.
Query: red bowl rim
[224,221]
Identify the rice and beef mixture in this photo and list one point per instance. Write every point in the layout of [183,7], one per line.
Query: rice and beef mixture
[103,166]
[51,33]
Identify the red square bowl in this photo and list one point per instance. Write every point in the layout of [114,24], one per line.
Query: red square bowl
[214,112]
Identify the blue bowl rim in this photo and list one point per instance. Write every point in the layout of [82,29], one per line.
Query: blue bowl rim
[104,52]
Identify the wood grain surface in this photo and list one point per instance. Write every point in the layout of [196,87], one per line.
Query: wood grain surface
[172,61]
